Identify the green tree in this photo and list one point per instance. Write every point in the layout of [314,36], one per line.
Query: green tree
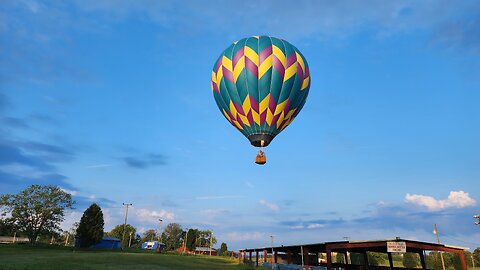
[223,249]
[7,227]
[149,235]
[37,209]
[376,258]
[118,230]
[410,260]
[357,258]
[476,256]
[90,228]
[433,260]
[191,237]
[172,236]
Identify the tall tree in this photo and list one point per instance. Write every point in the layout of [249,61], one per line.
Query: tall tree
[223,249]
[130,231]
[90,229]
[37,209]
[172,236]
[191,239]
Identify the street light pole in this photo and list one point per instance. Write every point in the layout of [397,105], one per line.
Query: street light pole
[435,231]
[160,230]
[211,239]
[478,219]
[185,241]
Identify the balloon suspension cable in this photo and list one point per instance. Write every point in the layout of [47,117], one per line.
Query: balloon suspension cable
[261,157]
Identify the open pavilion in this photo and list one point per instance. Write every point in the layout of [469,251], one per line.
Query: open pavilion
[308,255]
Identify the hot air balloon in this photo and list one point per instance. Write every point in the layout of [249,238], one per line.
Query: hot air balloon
[260,84]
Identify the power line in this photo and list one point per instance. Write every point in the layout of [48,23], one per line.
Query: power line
[456,239]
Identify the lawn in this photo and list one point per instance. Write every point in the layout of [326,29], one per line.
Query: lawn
[39,258]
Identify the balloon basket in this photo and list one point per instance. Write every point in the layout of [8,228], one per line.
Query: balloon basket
[261,158]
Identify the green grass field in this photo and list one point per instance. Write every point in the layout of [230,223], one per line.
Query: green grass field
[43,258]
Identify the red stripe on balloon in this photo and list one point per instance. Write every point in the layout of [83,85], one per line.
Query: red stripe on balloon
[239,108]
[227,74]
[237,56]
[254,104]
[278,66]
[291,59]
[218,64]
[215,86]
[275,119]
[250,118]
[250,65]
[263,117]
[300,72]
[272,104]
[264,54]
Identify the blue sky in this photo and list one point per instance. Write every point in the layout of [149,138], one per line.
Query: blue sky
[111,101]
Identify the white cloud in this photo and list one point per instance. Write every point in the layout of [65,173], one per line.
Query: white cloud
[269,205]
[148,215]
[70,218]
[71,192]
[315,226]
[458,199]
[245,236]
[310,226]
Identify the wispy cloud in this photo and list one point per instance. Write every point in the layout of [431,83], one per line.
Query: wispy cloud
[145,161]
[218,197]
[98,166]
[271,206]
[458,199]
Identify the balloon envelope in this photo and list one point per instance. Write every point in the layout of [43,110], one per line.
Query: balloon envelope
[260,84]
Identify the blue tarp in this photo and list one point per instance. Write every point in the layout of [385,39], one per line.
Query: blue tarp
[108,242]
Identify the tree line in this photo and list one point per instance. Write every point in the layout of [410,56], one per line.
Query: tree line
[37,212]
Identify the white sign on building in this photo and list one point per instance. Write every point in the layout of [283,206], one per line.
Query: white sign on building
[397,247]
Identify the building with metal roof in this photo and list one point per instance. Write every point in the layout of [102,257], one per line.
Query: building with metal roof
[309,254]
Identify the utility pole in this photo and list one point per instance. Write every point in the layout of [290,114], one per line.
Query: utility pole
[435,231]
[125,222]
[273,255]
